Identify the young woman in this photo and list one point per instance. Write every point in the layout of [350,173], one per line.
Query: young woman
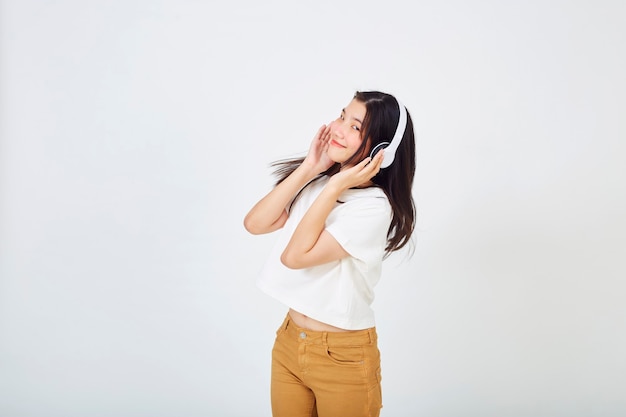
[342,209]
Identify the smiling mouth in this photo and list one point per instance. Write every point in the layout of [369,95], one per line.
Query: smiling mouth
[335,143]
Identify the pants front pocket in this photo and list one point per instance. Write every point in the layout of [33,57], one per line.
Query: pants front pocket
[345,355]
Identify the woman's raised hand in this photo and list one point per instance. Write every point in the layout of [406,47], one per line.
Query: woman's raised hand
[317,159]
[358,175]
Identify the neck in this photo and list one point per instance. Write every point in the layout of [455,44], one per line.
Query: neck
[365,185]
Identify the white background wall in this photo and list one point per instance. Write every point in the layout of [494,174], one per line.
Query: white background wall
[136,134]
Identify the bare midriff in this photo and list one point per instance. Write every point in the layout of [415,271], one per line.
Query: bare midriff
[307,322]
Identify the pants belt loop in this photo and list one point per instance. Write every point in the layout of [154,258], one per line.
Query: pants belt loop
[370,332]
[325,338]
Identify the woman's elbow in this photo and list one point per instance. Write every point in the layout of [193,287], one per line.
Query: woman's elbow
[253,226]
[249,225]
[290,261]
[258,225]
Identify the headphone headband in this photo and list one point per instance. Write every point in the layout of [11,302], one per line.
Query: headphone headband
[392,147]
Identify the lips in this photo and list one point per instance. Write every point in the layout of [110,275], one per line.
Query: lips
[337,144]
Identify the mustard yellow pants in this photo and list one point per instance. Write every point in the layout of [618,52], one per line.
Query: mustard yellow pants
[325,374]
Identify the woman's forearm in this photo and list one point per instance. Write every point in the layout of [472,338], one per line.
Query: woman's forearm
[270,213]
[307,233]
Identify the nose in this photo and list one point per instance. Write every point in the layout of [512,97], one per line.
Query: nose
[337,128]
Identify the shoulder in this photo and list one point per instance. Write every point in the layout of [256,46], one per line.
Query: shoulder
[315,185]
[365,197]
[363,206]
[308,193]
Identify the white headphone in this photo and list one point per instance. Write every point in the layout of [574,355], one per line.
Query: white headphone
[391,147]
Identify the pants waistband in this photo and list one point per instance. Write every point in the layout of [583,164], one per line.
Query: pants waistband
[348,338]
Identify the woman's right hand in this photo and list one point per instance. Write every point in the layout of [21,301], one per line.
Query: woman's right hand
[317,158]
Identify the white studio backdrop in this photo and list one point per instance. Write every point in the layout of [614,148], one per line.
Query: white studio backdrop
[136,134]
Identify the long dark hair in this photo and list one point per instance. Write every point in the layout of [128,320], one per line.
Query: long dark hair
[379,125]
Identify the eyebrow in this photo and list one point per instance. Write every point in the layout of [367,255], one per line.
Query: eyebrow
[358,120]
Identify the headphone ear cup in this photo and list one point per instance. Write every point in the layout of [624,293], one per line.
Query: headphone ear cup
[378,148]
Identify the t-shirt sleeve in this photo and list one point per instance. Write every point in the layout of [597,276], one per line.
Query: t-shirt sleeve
[360,226]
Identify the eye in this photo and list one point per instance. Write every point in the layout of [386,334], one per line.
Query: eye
[355,127]
[341,116]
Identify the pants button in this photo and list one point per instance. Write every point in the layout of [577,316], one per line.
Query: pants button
[302,335]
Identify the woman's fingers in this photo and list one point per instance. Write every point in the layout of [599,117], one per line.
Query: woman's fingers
[378,159]
[368,167]
[372,163]
[372,167]
[318,134]
[326,134]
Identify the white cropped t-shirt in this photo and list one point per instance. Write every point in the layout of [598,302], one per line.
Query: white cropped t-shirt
[339,293]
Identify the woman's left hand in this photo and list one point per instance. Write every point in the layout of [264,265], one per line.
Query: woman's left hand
[360,174]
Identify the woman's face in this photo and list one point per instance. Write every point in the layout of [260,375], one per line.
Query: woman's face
[345,132]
